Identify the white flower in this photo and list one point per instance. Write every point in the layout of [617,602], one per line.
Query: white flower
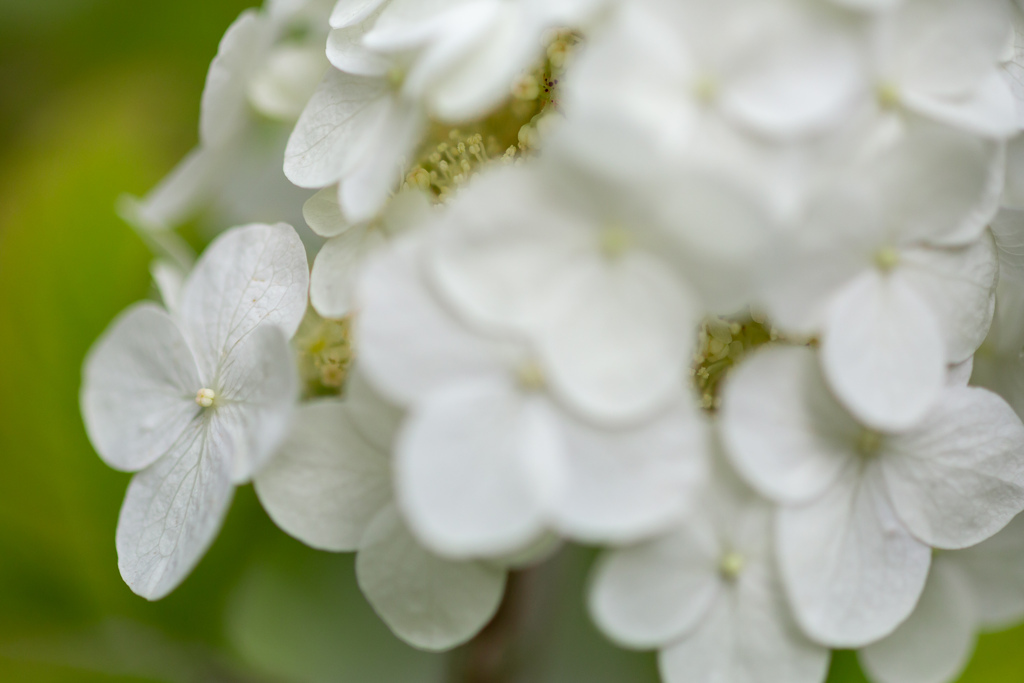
[542,252]
[978,589]
[196,401]
[356,131]
[943,61]
[330,486]
[708,596]
[489,458]
[341,257]
[999,363]
[737,85]
[257,72]
[869,271]
[862,508]
[472,50]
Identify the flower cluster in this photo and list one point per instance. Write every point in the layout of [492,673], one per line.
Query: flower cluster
[733,288]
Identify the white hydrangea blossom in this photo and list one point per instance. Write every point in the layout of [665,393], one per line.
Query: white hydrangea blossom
[492,455]
[330,486]
[732,288]
[968,591]
[708,595]
[265,71]
[861,508]
[196,401]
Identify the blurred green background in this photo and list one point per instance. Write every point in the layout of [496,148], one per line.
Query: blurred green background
[98,98]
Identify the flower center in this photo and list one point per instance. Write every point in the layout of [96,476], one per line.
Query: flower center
[531,377]
[869,443]
[205,397]
[706,88]
[887,258]
[731,565]
[615,241]
[396,77]
[888,95]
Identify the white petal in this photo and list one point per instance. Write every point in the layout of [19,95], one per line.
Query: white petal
[249,276]
[336,129]
[465,473]
[482,79]
[882,352]
[749,635]
[958,477]
[852,570]
[225,104]
[257,389]
[139,385]
[800,83]
[332,281]
[960,288]
[946,48]
[326,483]
[1008,230]
[782,428]
[173,511]
[366,189]
[181,194]
[429,602]
[169,279]
[940,184]
[375,418]
[621,485]
[349,12]
[408,344]
[622,338]
[991,111]
[935,643]
[996,573]
[650,594]
[323,213]
[346,52]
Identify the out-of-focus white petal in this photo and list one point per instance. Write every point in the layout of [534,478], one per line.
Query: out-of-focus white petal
[852,570]
[620,340]
[996,574]
[181,194]
[173,511]
[139,386]
[326,483]
[336,130]
[322,213]
[782,428]
[395,307]
[935,643]
[882,351]
[334,273]
[801,82]
[346,52]
[249,276]
[375,418]
[959,285]
[474,469]
[225,105]
[350,12]
[749,635]
[622,485]
[649,594]
[430,602]
[991,111]
[945,49]
[957,477]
